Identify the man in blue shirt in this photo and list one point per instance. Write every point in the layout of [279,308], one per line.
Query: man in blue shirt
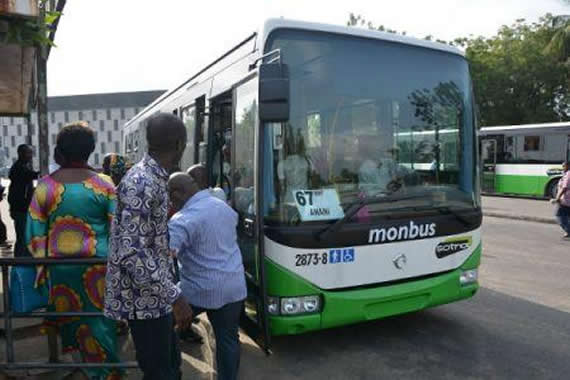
[204,239]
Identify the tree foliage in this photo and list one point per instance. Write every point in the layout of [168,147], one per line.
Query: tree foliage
[520,75]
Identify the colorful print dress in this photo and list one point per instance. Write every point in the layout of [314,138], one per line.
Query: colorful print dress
[72,220]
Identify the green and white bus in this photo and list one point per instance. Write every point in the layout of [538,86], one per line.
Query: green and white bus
[524,159]
[351,158]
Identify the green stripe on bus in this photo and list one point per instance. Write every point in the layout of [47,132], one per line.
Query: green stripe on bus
[518,184]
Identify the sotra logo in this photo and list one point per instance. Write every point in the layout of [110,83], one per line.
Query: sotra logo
[451,246]
[405,232]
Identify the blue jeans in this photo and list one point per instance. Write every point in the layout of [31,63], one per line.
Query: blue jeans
[562,214]
[225,322]
[157,350]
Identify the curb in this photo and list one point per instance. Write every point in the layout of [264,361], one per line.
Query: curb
[526,218]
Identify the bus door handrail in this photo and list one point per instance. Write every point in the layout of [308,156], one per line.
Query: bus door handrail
[7,314]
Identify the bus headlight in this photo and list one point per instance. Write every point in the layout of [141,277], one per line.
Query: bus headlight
[469,277]
[300,305]
[273,305]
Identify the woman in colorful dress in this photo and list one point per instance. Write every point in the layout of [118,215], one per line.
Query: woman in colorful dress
[69,217]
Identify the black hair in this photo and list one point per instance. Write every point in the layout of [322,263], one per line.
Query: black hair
[76,142]
[163,131]
[22,149]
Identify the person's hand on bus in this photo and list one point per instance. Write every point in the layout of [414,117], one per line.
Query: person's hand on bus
[554,200]
[182,313]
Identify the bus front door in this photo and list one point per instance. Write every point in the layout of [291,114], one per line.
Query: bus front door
[489,159]
[246,201]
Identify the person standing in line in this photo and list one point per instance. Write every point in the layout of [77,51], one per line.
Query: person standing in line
[140,284]
[69,217]
[20,193]
[563,201]
[203,237]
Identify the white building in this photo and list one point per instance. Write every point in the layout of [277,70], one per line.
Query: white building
[105,113]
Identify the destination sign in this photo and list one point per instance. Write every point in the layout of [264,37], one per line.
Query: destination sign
[322,204]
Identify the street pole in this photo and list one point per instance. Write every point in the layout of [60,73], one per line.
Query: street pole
[43,143]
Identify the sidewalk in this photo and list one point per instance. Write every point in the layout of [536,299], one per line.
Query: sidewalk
[534,210]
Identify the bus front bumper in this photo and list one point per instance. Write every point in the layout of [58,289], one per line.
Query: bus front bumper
[366,304]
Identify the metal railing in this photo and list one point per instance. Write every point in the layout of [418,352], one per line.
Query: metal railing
[8,315]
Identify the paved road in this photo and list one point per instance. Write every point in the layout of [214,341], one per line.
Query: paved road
[516,327]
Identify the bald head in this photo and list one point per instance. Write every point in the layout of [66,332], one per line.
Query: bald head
[181,187]
[199,174]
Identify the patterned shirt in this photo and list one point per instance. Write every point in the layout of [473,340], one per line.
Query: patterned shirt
[204,235]
[140,278]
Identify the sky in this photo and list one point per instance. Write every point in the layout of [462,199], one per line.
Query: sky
[136,45]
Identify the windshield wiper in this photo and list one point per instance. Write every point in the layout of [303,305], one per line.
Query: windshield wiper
[446,210]
[354,207]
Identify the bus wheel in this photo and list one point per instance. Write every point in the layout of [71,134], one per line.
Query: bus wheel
[552,188]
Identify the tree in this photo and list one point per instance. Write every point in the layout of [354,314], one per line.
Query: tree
[521,75]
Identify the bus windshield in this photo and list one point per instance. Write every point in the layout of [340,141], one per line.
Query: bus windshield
[368,119]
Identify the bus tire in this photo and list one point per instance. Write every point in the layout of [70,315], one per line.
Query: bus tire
[552,188]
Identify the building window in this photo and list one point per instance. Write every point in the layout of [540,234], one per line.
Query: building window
[13,138]
[136,110]
[108,114]
[66,116]
[32,129]
[96,158]
[19,126]
[6,151]
[103,148]
[101,125]
[94,114]
[59,125]
[96,134]
[5,130]
[116,124]
[109,136]
[52,114]
[117,147]
[53,138]
[122,114]
[80,114]
[11,121]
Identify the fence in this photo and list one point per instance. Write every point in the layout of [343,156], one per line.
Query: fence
[8,315]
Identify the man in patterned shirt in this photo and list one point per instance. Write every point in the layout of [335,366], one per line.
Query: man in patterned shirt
[140,283]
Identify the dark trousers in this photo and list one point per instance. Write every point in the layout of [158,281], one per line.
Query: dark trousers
[156,343]
[562,214]
[20,249]
[225,322]
[3,232]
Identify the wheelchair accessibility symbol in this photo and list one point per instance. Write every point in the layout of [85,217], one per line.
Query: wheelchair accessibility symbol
[345,255]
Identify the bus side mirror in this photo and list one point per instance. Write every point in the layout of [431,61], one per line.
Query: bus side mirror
[273,92]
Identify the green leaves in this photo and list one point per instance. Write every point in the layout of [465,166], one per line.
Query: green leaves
[520,75]
[27,32]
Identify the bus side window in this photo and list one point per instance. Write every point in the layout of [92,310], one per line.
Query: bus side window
[189,119]
[243,171]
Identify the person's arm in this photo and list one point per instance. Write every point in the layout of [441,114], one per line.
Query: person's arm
[178,241]
[565,184]
[36,235]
